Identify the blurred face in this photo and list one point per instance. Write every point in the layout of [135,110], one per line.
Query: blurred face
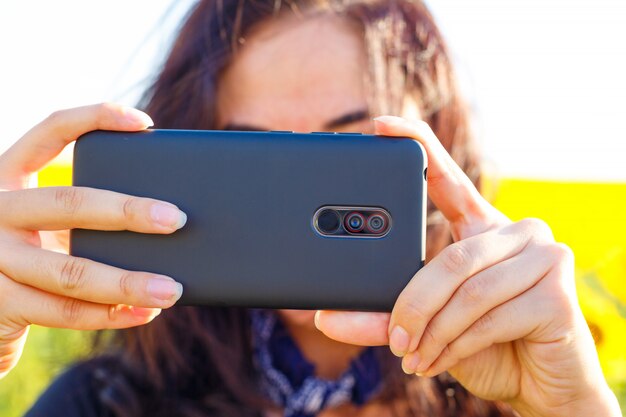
[300,75]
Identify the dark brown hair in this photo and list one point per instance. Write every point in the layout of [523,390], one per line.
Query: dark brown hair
[197,361]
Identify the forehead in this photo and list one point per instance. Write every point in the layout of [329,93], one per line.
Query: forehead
[295,72]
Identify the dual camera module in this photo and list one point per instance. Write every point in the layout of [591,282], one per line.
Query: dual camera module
[352,221]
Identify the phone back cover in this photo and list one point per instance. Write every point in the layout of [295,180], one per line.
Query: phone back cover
[250,198]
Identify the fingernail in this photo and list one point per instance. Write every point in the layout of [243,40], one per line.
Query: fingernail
[167,215]
[316,319]
[134,115]
[389,120]
[145,312]
[399,341]
[410,362]
[164,288]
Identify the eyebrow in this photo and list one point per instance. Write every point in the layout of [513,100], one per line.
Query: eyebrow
[355,116]
[352,117]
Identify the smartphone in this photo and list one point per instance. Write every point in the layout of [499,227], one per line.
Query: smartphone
[275,219]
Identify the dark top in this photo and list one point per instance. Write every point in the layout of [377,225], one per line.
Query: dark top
[82,391]
[73,394]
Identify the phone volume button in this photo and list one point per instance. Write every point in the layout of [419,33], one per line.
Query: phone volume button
[280,131]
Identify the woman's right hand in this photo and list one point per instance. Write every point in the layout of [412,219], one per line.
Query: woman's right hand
[53,289]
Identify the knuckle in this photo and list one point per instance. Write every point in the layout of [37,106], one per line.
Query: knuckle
[128,209]
[412,310]
[55,119]
[69,199]
[455,257]
[105,109]
[73,274]
[421,125]
[562,273]
[560,254]
[126,284]
[105,112]
[71,311]
[559,301]
[472,291]
[537,227]
[483,325]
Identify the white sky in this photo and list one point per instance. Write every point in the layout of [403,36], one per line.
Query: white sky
[547,78]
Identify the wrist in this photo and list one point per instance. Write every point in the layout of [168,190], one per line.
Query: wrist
[601,402]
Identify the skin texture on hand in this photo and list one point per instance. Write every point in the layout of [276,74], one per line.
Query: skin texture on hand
[53,289]
[497,309]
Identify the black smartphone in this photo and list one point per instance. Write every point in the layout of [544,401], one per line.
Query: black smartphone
[274,219]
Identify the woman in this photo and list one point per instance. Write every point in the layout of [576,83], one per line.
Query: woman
[495,307]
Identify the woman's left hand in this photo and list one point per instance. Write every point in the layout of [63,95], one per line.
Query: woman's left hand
[497,309]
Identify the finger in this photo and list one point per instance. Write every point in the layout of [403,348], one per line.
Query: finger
[542,316]
[478,295]
[508,322]
[27,305]
[56,208]
[355,328]
[448,186]
[11,348]
[84,279]
[433,286]
[56,240]
[46,140]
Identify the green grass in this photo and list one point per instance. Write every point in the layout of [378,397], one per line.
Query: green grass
[46,353]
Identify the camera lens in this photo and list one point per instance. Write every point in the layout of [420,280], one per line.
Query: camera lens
[328,221]
[377,223]
[354,222]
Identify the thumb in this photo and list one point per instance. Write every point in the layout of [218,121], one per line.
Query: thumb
[354,327]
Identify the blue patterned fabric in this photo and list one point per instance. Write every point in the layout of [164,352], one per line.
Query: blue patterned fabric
[289,379]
